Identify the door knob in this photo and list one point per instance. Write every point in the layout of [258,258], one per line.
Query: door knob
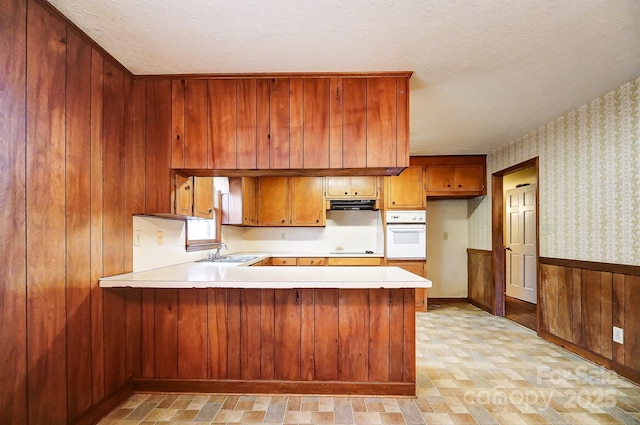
[507,248]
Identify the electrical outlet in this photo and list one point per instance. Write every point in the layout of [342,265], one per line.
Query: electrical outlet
[137,238]
[159,237]
[283,236]
[618,335]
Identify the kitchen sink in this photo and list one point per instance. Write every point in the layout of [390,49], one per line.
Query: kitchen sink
[229,259]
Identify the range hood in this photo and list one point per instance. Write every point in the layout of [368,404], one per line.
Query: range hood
[352,204]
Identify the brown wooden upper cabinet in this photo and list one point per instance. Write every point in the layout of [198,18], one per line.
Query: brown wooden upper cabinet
[354,187]
[405,191]
[193,196]
[462,176]
[291,201]
[291,123]
[240,206]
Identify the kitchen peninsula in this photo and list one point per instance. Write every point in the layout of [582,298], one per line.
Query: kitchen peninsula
[306,330]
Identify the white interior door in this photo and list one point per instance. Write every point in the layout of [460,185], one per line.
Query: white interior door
[520,248]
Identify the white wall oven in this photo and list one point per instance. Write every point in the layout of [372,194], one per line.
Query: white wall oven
[406,237]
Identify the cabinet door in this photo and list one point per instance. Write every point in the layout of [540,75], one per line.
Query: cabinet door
[406,190]
[222,123]
[247,124]
[249,201]
[469,177]
[273,201]
[196,151]
[364,186]
[316,123]
[307,202]
[183,195]
[354,123]
[203,197]
[440,178]
[419,268]
[338,187]
[279,123]
[381,121]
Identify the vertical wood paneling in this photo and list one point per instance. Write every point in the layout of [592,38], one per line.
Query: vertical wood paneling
[158,146]
[381,121]
[148,336]
[618,318]
[113,225]
[134,158]
[549,298]
[263,126]
[353,332]
[234,329]
[177,124]
[632,322]
[296,122]
[223,122]
[335,122]
[402,147]
[97,205]
[166,333]
[114,339]
[591,313]
[78,223]
[307,329]
[565,303]
[279,123]
[13,349]
[409,362]
[250,334]
[379,335]
[197,153]
[606,315]
[287,334]
[246,124]
[267,325]
[396,335]
[192,334]
[354,118]
[576,317]
[326,334]
[133,333]
[316,122]
[45,204]
[217,324]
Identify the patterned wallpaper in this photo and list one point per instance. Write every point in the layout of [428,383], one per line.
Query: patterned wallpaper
[589,181]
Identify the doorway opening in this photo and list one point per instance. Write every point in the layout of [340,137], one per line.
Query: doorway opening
[515,242]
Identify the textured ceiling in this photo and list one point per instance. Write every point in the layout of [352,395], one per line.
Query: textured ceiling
[485,71]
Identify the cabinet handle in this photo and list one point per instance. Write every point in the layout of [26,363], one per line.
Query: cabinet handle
[210,210]
[283,220]
[393,202]
[178,136]
[459,185]
[356,193]
[346,193]
[448,185]
[317,220]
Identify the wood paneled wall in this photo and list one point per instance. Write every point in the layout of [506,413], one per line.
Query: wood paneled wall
[69,185]
[295,340]
[481,291]
[579,303]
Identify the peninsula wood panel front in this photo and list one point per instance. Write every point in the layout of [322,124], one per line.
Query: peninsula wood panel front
[284,335]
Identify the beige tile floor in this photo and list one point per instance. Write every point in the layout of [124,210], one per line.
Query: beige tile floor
[472,368]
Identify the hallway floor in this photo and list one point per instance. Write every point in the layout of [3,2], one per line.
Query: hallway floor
[472,368]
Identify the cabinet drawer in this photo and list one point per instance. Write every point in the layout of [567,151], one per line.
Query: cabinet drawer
[283,261]
[312,261]
[354,261]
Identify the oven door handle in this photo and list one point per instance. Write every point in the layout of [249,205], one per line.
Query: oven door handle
[407,229]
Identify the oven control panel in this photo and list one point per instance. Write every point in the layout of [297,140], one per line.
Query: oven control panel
[406,217]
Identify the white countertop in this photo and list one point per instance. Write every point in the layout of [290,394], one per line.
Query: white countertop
[215,275]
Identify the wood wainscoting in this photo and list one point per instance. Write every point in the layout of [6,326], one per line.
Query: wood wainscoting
[480,279]
[581,301]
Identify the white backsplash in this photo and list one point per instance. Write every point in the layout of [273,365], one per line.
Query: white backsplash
[349,231]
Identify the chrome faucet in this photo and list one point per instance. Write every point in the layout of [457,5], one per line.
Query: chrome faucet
[216,255]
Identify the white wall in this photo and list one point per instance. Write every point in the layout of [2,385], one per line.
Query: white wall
[149,254]
[447,241]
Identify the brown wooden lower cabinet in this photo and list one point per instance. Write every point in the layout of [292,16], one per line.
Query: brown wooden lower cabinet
[416,267]
[319,341]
